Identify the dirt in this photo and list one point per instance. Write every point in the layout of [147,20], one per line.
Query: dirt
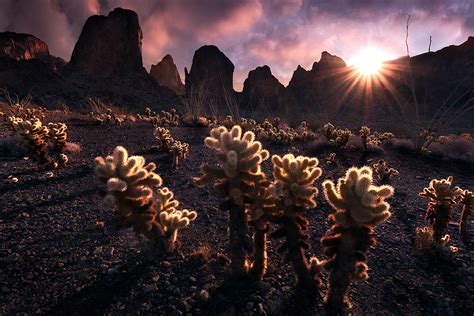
[54,261]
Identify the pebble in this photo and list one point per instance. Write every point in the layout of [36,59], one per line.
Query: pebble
[204,295]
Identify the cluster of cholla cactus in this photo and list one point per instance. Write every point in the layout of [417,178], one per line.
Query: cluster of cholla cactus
[337,137]
[234,178]
[130,186]
[373,140]
[442,198]
[424,140]
[359,205]
[294,190]
[467,202]
[166,143]
[45,143]
[384,171]
[109,117]
[18,111]
[162,119]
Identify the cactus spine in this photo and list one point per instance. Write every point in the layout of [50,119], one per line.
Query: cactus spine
[359,206]
[293,187]
[239,158]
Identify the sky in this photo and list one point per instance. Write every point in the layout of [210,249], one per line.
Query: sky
[280,33]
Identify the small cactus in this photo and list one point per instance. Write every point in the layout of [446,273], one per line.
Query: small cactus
[33,135]
[166,143]
[58,137]
[129,190]
[337,137]
[359,206]
[383,171]
[442,198]
[467,202]
[293,187]
[239,158]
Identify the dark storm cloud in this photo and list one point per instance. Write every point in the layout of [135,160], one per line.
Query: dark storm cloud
[280,33]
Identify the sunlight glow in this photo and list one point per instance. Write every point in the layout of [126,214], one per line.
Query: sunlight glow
[368,61]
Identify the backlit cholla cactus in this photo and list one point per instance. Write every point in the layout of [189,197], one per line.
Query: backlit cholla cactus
[293,188]
[373,140]
[364,133]
[129,190]
[359,206]
[33,136]
[171,218]
[262,209]
[163,139]
[467,202]
[239,157]
[179,150]
[337,137]
[58,137]
[442,198]
[383,171]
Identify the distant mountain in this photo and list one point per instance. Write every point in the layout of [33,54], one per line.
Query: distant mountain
[166,74]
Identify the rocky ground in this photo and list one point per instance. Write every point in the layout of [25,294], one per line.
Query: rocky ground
[53,260]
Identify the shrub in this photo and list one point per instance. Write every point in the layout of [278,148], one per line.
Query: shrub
[129,190]
[359,206]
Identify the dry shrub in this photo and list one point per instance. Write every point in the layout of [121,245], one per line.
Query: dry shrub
[457,147]
[402,144]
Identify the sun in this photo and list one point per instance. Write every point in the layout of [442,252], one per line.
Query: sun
[368,61]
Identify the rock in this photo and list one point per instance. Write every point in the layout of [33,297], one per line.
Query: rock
[261,88]
[109,46]
[19,46]
[204,295]
[166,74]
[211,74]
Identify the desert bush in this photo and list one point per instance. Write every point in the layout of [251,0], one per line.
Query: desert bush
[130,186]
[456,147]
[294,190]
[467,202]
[238,172]
[442,197]
[402,144]
[383,171]
[359,206]
[163,119]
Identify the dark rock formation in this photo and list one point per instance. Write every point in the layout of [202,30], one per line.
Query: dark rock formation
[262,89]
[109,46]
[166,74]
[211,74]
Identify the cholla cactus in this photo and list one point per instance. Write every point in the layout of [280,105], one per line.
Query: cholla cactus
[239,158]
[442,198]
[261,210]
[179,150]
[467,201]
[58,137]
[364,133]
[330,158]
[293,188]
[359,206]
[170,218]
[337,137]
[383,171]
[129,190]
[33,135]
[163,138]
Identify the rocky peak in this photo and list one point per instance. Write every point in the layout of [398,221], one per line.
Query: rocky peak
[211,71]
[19,46]
[329,62]
[109,46]
[261,80]
[166,74]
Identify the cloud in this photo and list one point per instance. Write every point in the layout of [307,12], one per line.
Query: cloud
[280,33]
